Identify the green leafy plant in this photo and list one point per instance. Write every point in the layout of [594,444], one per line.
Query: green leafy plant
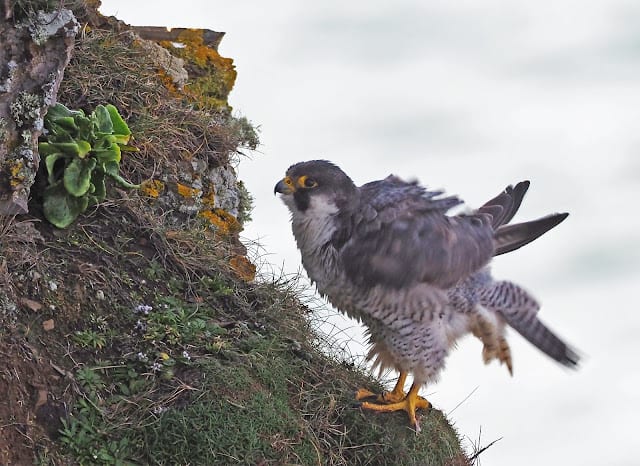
[90,339]
[91,441]
[90,380]
[80,152]
[175,324]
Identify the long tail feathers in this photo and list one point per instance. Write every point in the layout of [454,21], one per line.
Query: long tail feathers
[520,310]
[517,308]
[508,238]
[538,334]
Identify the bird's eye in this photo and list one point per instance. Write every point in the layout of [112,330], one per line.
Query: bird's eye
[306,182]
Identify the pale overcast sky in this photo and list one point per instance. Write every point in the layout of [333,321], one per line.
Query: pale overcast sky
[470,96]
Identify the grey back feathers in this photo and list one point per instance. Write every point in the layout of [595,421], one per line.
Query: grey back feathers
[400,235]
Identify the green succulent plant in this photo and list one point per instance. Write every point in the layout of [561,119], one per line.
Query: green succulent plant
[80,152]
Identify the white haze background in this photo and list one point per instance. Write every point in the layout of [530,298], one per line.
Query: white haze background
[470,96]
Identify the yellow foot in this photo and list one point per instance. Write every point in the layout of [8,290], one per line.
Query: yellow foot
[363,394]
[384,398]
[409,403]
[394,396]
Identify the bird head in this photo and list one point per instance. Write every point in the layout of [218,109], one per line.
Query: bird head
[316,184]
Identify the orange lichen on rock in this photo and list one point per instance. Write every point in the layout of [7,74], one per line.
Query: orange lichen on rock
[168,82]
[208,199]
[16,173]
[152,188]
[211,76]
[243,268]
[201,54]
[223,221]
[186,191]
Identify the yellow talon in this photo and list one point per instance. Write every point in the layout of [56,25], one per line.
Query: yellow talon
[363,394]
[395,395]
[409,404]
[396,400]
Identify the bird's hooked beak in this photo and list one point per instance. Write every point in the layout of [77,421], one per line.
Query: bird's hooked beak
[285,186]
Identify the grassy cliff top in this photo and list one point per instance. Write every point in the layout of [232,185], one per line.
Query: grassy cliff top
[139,335]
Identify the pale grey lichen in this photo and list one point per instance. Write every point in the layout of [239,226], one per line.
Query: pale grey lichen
[25,109]
[3,129]
[25,153]
[5,87]
[224,179]
[47,24]
[49,88]
[26,136]
[189,209]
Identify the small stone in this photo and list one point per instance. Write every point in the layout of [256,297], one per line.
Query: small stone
[48,325]
[31,304]
[100,295]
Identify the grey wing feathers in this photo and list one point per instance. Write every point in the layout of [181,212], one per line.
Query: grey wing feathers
[401,235]
[408,196]
[508,238]
[505,205]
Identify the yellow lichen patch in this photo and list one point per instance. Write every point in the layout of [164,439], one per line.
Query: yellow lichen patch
[168,82]
[152,188]
[16,173]
[243,268]
[208,199]
[188,192]
[211,76]
[223,221]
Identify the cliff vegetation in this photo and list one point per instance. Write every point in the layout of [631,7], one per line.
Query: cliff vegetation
[139,334]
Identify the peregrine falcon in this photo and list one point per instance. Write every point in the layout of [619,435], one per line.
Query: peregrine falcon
[388,254]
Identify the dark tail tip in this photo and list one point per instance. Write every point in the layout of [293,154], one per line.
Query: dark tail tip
[570,358]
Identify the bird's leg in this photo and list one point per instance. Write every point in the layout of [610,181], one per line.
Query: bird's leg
[495,345]
[395,395]
[409,403]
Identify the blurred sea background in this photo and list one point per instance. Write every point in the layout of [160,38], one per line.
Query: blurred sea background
[469,96]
